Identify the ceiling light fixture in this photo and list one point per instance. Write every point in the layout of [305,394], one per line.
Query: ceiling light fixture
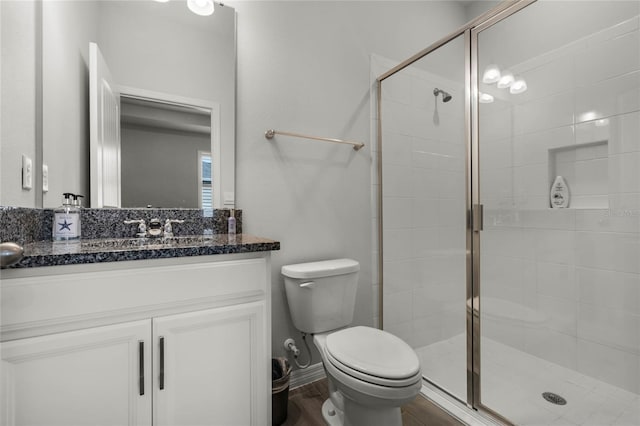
[485,98]
[588,116]
[491,74]
[201,7]
[518,86]
[506,80]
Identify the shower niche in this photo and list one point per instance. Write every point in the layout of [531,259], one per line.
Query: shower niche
[585,169]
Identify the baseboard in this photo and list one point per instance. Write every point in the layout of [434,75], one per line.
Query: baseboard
[305,376]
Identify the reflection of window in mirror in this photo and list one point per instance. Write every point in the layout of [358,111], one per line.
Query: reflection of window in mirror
[205,189]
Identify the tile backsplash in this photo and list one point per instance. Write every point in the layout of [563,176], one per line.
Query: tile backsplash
[25,225]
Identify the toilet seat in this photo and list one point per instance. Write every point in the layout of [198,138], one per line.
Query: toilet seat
[373,356]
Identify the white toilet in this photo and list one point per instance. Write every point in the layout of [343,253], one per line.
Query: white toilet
[370,372]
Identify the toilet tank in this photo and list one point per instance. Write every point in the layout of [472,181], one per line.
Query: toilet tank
[321,295]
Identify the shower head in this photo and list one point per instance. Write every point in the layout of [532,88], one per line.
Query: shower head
[446,97]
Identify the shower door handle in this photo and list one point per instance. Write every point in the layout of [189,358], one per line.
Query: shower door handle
[478,217]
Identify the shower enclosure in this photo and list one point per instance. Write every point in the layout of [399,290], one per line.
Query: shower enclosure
[523,311]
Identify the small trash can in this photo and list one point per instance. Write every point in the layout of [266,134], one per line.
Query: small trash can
[280,371]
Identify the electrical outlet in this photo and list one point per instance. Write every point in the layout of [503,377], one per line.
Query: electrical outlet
[27,172]
[45,178]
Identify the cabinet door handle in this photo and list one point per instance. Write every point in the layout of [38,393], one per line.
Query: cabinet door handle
[161,363]
[141,366]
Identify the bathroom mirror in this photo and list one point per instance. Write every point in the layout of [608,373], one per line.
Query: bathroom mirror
[152,48]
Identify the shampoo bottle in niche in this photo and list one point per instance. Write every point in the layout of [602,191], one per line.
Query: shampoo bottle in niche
[559,196]
[66,220]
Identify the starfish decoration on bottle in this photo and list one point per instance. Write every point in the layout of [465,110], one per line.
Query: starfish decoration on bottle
[65,225]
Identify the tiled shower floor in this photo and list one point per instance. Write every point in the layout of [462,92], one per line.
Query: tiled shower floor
[513,381]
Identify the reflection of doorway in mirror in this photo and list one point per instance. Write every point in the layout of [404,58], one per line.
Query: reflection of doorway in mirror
[160,143]
[104,122]
[161,136]
[205,189]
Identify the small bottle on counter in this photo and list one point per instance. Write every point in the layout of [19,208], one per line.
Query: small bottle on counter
[231,223]
[66,220]
[231,226]
[77,202]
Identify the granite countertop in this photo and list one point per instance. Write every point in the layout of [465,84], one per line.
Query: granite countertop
[48,253]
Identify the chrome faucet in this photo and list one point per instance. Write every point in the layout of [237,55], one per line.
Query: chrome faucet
[155,228]
[142,227]
[168,229]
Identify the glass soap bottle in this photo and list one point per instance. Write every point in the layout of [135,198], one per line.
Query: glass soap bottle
[66,220]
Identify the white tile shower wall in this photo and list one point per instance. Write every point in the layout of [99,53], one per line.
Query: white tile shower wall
[424,210]
[579,267]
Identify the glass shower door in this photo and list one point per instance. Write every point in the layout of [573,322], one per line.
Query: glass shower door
[424,222]
[559,159]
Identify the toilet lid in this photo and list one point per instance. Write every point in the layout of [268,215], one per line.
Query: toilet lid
[373,352]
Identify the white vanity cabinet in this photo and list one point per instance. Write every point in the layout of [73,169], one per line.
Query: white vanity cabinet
[156,342]
[208,371]
[81,377]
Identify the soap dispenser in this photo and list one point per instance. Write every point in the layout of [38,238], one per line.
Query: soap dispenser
[66,220]
[77,203]
[559,196]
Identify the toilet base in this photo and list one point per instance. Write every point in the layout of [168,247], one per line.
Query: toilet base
[360,416]
[331,415]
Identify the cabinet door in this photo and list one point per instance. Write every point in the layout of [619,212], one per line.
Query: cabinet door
[86,377]
[210,367]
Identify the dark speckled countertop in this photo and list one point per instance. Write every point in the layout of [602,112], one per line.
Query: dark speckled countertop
[47,253]
[106,237]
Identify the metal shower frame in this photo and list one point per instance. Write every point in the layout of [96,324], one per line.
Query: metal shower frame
[474,209]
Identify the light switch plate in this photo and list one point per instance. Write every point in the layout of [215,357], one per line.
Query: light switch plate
[27,172]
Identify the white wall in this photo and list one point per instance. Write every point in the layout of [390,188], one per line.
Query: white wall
[304,66]
[149,156]
[477,8]
[17,99]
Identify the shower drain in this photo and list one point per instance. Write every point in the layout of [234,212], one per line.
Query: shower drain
[554,399]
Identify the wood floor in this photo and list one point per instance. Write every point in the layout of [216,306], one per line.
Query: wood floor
[305,403]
